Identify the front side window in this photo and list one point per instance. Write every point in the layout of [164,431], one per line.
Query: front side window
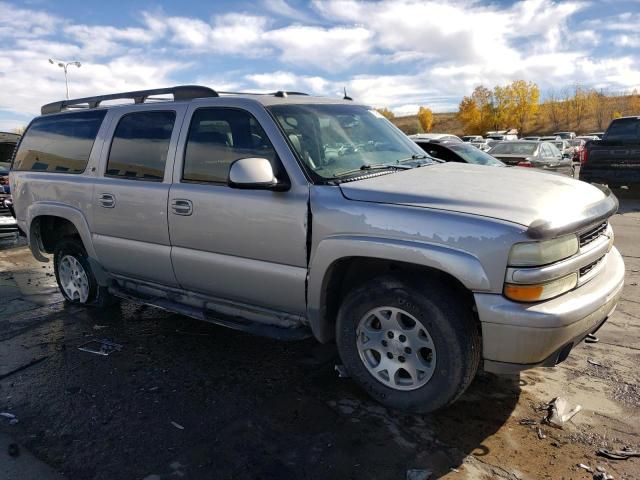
[473,155]
[335,140]
[217,138]
[140,146]
[59,143]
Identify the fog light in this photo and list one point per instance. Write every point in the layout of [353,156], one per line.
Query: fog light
[540,291]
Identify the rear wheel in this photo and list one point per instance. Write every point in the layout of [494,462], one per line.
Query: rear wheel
[410,344]
[75,277]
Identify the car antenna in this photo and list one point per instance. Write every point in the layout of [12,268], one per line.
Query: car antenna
[346,97]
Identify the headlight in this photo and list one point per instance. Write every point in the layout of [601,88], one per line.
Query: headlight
[542,291]
[530,254]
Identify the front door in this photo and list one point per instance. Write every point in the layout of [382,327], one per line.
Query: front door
[247,246]
[129,210]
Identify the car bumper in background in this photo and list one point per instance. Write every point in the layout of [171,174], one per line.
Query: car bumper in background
[8,227]
[518,336]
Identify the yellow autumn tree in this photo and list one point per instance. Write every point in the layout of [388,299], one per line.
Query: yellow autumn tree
[523,103]
[483,99]
[469,115]
[385,112]
[425,117]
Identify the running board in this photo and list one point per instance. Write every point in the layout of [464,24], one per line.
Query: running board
[235,322]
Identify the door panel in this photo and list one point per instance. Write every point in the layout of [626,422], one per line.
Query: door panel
[243,245]
[129,208]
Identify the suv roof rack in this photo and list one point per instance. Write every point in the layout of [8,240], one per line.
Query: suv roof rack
[181,92]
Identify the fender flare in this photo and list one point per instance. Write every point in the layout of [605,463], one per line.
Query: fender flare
[55,209]
[461,265]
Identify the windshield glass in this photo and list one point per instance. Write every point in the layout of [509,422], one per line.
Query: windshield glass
[513,148]
[334,140]
[624,129]
[558,145]
[472,155]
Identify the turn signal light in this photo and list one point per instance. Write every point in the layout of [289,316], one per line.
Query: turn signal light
[541,291]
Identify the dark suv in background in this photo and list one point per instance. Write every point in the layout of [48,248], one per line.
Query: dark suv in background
[8,225]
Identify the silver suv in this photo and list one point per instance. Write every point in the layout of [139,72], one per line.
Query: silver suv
[289,215]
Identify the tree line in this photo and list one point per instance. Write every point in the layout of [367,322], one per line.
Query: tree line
[517,105]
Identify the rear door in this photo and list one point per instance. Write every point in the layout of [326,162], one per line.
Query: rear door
[129,213]
[248,246]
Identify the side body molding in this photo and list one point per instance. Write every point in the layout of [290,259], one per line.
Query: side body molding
[61,210]
[461,265]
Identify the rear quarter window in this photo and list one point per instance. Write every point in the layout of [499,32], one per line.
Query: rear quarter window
[625,129]
[59,143]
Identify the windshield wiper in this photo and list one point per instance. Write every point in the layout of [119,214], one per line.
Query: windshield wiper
[375,166]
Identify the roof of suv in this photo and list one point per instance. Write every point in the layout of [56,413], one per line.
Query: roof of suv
[186,93]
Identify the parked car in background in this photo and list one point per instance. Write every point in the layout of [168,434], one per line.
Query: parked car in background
[534,138]
[524,153]
[549,138]
[227,208]
[458,152]
[564,146]
[472,138]
[565,135]
[484,145]
[577,146]
[8,225]
[587,137]
[614,160]
[595,134]
[436,137]
[502,137]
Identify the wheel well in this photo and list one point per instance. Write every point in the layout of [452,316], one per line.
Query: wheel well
[348,273]
[50,229]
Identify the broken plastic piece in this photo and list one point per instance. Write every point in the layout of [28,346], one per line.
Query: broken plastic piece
[591,338]
[8,415]
[593,362]
[585,467]
[100,347]
[618,454]
[560,412]
[177,425]
[342,372]
[528,421]
[541,434]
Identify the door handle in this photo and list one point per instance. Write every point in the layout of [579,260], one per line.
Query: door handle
[181,206]
[107,200]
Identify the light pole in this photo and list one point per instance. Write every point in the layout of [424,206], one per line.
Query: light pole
[64,66]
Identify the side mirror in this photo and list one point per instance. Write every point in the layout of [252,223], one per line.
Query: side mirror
[253,174]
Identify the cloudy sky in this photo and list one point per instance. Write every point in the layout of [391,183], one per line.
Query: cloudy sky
[394,53]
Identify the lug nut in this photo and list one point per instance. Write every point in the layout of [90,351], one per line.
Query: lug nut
[390,334]
[389,355]
[402,338]
[384,343]
[407,350]
[401,359]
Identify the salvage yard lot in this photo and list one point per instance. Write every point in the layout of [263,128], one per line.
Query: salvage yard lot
[193,400]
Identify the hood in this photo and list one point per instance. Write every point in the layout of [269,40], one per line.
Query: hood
[546,203]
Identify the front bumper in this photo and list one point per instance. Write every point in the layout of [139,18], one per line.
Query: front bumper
[518,336]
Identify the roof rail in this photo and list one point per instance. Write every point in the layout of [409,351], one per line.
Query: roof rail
[284,94]
[181,92]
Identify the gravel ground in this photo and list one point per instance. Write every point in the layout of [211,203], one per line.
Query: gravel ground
[185,399]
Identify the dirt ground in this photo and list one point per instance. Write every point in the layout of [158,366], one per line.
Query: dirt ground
[184,399]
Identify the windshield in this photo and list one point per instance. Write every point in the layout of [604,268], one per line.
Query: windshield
[335,140]
[513,148]
[473,155]
[624,129]
[558,145]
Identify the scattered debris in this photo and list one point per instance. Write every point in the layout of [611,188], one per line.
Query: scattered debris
[591,338]
[585,467]
[593,362]
[618,454]
[9,416]
[14,450]
[541,434]
[100,347]
[415,474]
[342,373]
[100,327]
[600,469]
[560,412]
[177,425]
[528,421]
[602,476]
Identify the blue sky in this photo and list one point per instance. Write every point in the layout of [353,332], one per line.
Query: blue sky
[394,53]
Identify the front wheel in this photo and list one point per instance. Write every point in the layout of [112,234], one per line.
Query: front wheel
[410,344]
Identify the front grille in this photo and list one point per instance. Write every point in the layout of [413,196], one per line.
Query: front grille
[592,234]
[587,268]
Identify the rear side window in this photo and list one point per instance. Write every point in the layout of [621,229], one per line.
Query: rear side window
[59,143]
[624,129]
[217,138]
[140,145]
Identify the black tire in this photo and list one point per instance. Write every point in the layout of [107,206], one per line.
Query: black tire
[98,296]
[449,322]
